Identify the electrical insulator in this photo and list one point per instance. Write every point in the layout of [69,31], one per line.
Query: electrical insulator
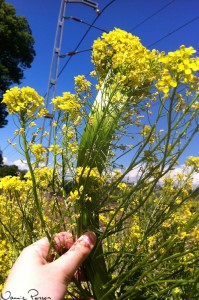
[86,2]
[90,3]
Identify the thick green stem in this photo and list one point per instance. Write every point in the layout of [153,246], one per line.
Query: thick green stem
[96,270]
[97,274]
[95,265]
[93,152]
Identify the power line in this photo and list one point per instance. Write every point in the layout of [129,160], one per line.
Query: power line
[57,55]
[71,53]
[82,39]
[83,22]
[9,143]
[151,16]
[85,34]
[173,31]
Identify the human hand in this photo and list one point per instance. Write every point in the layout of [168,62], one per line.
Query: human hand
[34,277]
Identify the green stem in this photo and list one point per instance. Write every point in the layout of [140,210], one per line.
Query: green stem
[34,184]
[97,274]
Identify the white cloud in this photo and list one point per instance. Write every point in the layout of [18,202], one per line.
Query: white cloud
[183,169]
[134,175]
[5,160]
[21,164]
[196,179]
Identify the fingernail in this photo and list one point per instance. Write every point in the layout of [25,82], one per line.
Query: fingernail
[89,238]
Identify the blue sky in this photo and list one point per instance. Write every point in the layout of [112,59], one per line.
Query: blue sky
[163,24]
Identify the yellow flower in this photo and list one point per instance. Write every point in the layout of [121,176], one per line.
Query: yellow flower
[81,84]
[89,173]
[12,184]
[193,162]
[38,150]
[22,100]
[146,130]
[32,124]
[77,121]
[122,186]
[135,232]
[73,147]
[42,112]
[54,123]
[122,55]
[182,235]
[21,130]
[67,103]
[74,195]
[43,176]
[55,149]
[176,291]
[177,67]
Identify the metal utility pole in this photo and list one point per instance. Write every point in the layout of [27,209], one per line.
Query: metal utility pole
[54,69]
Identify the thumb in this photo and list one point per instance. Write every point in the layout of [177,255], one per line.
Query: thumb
[69,262]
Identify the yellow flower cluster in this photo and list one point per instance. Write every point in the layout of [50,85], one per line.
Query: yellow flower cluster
[56,149]
[122,55]
[19,218]
[68,103]
[146,130]
[22,100]
[12,184]
[177,67]
[86,173]
[136,232]
[91,180]
[122,186]
[82,84]
[193,162]
[6,259]
[43,176]
[42,112]
[74,196]
[38,150]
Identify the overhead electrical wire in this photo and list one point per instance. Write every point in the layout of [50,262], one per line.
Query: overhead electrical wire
[82,39]
[173,31]
[151,16]
[83,22]
[9,144]
[71,53]
[168,34]
[84,36]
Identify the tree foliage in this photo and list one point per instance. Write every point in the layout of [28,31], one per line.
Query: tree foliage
[10,170]
[16,51]
[1,158]
[7,170]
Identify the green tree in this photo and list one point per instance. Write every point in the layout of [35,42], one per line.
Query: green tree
[7,170]
[16,51]
[1,158]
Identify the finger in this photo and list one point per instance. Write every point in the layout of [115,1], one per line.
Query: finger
[68,263]
[40,250]
[80,274]
[62,242]
[36,251]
